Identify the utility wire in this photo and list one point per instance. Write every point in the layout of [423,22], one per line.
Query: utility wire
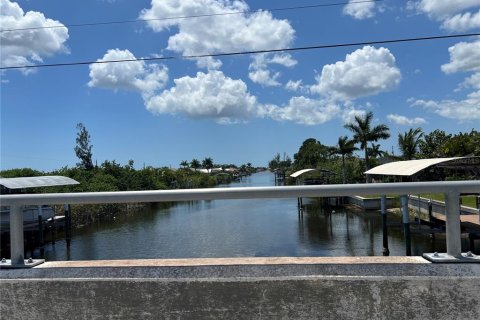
[188,17]
[225,54]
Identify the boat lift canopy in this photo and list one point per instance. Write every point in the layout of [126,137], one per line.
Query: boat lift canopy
[410,167]
[300,172]
[34,182]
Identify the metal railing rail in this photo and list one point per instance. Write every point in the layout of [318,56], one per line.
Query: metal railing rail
[451,189]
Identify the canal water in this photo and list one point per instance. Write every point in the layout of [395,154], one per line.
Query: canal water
[238,228]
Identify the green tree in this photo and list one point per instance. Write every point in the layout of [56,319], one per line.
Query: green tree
[374,152]
[310,153]
[286,162]
[462,144]
[207,163]
[184,164]
[344,147]
[243,169]
[195,164]
[23,172]
[408,143]
[275,162]
[431,146]
[83,149]
[363,133]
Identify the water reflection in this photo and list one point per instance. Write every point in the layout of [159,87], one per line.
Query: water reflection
[230,228]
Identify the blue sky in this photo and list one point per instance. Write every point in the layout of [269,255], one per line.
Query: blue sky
[234,109]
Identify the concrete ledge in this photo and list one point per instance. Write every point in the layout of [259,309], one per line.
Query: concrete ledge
[369,203]
[243,288]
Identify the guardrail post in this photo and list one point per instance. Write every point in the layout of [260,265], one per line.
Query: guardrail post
[383,208]
[477,200]
[16,235]
[40,227]
[406,224]
[452,205]
[68,224]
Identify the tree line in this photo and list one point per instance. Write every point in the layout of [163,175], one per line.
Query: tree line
[340,159]
[113,176]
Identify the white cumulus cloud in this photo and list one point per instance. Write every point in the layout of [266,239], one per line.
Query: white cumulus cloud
[367,71]
[208,95]
[464,57]
[306,111]
[219,32]
[462,110]
[402,120]
[134,76]
[349,114]
[259,68]
[442,8]
[473,81]
[451,14]
[265,77]
[294,85]
[27,47]
[360,10]
[215,96]
[463,22]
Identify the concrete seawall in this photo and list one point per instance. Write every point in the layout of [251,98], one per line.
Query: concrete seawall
[369,203]
[243,288]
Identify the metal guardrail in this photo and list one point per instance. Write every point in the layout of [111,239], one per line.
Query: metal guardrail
[451,189]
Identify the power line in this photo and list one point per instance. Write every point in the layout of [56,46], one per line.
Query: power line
[187,17]
[226,54]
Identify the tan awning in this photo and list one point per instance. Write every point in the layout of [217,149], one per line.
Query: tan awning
[409,167]
[300,172]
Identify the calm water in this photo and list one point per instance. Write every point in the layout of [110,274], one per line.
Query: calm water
[234,228]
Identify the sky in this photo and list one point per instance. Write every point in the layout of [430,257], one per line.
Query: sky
[234,109]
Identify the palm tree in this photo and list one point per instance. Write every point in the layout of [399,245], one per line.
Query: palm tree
[375,152]
[184,164]
[363,133]
[195,164]
[344,147]
[409,142]
[207,163]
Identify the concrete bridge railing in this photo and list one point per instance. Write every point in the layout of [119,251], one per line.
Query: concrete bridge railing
[244,288]
[406,288]
[451,189]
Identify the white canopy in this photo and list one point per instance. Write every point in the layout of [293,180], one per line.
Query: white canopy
[33,182]
[300,172]
[408,167]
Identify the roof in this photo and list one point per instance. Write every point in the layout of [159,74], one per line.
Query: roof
[410,167]
[297,173]
[32,182]
[300,172]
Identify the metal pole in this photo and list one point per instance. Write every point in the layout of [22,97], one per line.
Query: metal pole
[39,238]
[477,199]
[406,225]
[40,226]
[383,206]
[16,235]
[333,190]
[452,206]
[68,224]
